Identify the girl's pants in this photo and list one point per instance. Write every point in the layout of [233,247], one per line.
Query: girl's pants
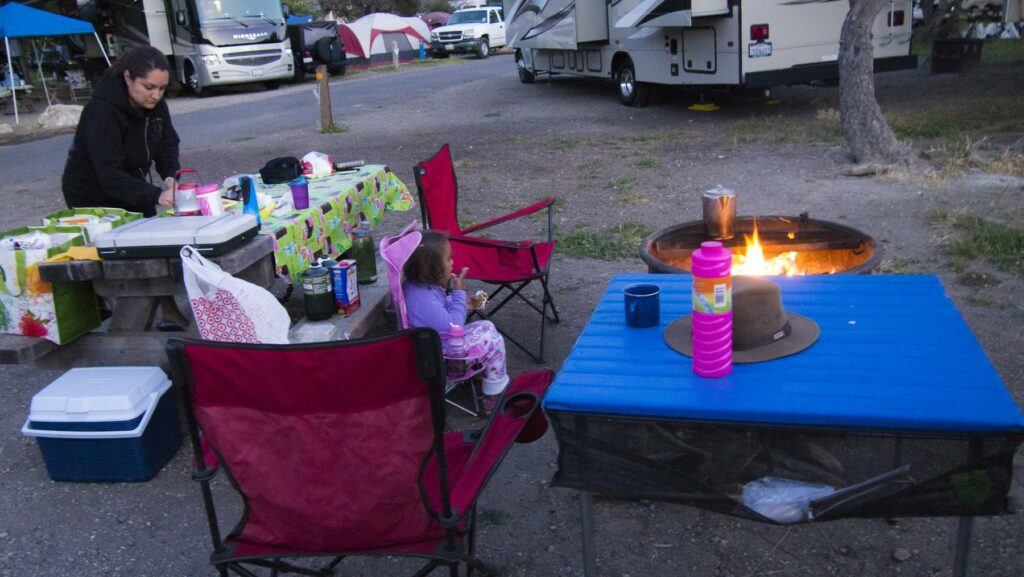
[486,349]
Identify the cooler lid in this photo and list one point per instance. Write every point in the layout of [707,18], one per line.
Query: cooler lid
[178,231]
[99,394]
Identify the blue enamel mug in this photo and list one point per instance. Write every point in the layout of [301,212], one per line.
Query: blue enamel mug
[643,306]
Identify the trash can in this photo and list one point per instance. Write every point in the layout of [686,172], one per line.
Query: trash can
[106,424]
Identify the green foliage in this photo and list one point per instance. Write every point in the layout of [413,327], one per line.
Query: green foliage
[622,241]
[969,237]
[435,6]
[333,128]
[300,7]
[352,9]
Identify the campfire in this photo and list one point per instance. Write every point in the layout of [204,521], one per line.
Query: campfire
[769,245]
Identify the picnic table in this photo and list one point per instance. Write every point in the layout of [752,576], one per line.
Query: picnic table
[897,389]
[286,247]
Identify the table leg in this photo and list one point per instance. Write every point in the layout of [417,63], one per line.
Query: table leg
[133,313]
[587,525]
[963,546]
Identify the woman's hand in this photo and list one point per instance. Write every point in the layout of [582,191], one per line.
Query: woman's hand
[460,278]
[167,194]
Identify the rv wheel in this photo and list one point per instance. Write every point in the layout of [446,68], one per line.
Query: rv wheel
[631,92]
[525,76]
[192,79]
[484,50]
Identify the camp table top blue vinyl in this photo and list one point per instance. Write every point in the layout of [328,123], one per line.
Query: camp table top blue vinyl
[894,354]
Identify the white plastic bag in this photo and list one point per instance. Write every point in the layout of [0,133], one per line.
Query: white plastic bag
[317,164]
[782,500]
[228,309]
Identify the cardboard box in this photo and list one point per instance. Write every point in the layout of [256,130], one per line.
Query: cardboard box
[346,288]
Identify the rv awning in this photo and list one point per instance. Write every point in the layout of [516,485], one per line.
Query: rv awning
[657,13]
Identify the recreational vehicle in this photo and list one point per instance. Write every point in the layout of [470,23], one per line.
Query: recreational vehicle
[209,42]
[640,43]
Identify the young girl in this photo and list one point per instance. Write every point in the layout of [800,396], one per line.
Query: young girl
[428,304]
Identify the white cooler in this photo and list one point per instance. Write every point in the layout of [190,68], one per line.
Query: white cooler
[165,235]
[106,424]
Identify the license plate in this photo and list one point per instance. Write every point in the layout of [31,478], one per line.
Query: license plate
[449,47]
[257,72]
[759,49]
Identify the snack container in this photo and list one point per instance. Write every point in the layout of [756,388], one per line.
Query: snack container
[346,287]
[106,424]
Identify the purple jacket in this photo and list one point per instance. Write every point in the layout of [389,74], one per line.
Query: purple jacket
[429,306]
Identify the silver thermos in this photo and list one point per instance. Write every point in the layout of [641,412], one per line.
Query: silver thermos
[719,212]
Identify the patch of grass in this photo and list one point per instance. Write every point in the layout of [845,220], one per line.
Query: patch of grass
[978,279]
[823,128]
[897,265]
[492,114]
[656,137]
[1011,163]
[996,51]
[622,241]
[648,163]
[968,237]
[562,143]
[984,302]
[333,128]
[623,184]
[244,139]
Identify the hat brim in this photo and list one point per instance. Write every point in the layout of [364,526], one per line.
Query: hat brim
[804,333]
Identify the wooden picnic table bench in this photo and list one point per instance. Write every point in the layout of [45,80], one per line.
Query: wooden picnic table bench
[134,288]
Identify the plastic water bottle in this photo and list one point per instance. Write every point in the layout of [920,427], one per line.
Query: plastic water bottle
[712,310]
[251,205]
[455,353]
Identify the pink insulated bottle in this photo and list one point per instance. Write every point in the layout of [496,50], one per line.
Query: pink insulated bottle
[712,310]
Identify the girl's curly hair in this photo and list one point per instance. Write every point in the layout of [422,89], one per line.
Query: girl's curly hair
[426,263]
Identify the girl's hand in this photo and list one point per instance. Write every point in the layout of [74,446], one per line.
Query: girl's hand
[460,278]
[167,194]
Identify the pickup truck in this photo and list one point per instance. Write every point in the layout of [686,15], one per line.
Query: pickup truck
[469,31]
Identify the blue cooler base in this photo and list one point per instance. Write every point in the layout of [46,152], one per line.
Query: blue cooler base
[115,460]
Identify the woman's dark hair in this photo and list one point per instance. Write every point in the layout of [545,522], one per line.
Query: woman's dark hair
[139,62]
[426,263]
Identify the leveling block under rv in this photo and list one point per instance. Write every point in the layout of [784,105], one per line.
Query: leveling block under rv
[639,43]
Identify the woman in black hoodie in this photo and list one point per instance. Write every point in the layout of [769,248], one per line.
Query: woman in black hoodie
[124,129]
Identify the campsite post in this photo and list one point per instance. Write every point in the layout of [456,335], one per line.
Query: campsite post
[324,80]
[394,54]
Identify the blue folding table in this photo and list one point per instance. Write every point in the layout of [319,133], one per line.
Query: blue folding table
[896,372]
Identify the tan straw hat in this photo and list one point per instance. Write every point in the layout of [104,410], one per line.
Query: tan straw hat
[761,329]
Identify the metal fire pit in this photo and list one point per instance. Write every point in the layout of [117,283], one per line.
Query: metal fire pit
[822,247]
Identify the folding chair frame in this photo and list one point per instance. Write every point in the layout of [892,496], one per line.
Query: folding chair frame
[430,365]
[515,287]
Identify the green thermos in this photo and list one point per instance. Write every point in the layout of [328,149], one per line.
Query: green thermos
[364,253]
[317,293]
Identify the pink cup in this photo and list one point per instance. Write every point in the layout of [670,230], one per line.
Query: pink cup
[209,200]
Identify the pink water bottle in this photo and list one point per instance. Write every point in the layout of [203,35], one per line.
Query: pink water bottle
[712,310]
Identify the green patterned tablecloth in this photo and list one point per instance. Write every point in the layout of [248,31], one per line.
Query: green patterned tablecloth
[336,204]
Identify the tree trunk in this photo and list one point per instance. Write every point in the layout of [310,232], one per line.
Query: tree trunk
[864,127]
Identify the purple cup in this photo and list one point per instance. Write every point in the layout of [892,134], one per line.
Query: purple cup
[300,193]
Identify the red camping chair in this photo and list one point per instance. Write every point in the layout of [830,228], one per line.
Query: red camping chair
[339,449]
[509,265]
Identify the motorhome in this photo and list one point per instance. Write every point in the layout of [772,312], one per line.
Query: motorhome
[209,42]
[643,43]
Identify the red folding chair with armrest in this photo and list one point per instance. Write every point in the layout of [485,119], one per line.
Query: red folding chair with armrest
[339,449]
[509,265]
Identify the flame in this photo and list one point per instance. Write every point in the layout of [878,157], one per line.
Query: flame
[754,262]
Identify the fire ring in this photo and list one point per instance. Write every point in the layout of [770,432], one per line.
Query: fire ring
[791,245]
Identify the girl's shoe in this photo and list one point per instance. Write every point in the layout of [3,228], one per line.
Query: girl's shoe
[488,403]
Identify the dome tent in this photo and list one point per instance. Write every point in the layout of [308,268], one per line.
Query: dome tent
[368,40]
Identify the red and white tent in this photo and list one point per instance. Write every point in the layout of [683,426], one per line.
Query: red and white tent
[369,39]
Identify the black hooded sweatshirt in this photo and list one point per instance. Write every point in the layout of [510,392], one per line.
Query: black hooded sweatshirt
[114,147]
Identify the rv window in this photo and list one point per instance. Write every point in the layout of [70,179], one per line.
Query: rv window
[494,17]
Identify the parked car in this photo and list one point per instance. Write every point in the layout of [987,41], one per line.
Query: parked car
[469,31]
[315,43]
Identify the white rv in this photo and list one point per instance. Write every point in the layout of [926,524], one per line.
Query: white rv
[209,42]
[640,43]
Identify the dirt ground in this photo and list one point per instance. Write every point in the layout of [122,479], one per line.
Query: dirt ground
[607,165]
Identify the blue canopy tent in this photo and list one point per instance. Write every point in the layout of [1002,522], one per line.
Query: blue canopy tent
[20,21]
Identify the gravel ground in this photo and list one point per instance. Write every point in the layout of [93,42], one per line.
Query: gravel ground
[607,165]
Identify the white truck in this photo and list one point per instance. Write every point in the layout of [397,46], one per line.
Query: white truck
[208,42]
[641,43]
[469,31]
